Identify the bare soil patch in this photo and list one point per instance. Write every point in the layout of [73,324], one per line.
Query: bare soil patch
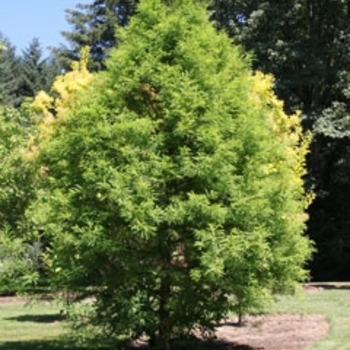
[13,300]
[274,332]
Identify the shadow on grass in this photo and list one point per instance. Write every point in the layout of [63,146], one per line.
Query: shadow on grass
[177,345]
[210,345]
[199,344]
[45,345]
[49,318]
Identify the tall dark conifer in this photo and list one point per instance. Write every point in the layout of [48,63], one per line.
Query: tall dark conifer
[94,25]
[36,72]
[9,80]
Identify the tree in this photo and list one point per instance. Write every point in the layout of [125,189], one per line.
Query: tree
[172,188]
[21,245]
[305,45]
[94,25]
[8,73]
[19,255]
[36,73]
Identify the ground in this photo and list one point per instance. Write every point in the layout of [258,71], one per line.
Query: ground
[265,332]
[271,332]
[274,332]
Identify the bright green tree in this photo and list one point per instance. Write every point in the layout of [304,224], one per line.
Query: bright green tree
[20,244]
[172,187]
[19,254]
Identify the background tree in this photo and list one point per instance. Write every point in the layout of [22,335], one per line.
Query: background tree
[36,72]
[173,182]
[94,25]
[19,260]
[21,244]
[9,80]
[305,45]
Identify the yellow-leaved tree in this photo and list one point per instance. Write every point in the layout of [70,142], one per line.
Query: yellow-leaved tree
[51,109]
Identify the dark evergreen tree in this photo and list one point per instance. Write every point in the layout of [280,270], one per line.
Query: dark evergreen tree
[305,45]
[9,75]
[94,25]
[36,72]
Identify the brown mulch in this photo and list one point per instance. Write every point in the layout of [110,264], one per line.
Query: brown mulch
[274,332]
[267,332]
[13,300]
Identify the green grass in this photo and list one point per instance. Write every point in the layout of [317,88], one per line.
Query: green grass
[333,302]
[40,326]
[29,326]
[34,326]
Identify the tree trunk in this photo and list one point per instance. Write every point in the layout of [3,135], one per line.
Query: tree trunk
[164,315]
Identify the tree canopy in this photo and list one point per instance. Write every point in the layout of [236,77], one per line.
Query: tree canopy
[95,25]
[18,259]
[9,81]
[305,45]
[36,73]
[171,185]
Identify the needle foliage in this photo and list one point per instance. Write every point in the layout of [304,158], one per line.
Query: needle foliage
[171,189]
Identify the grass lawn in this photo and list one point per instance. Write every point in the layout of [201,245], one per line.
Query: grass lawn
[331,300]
[33,326]
[40,326]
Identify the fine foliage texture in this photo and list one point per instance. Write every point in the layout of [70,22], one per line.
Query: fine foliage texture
[18,259]
[305,45]
[171,189]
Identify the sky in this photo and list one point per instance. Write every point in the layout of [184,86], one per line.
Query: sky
[23,20]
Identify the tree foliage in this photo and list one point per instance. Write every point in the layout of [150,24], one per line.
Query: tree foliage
[305,45]
[172,186]
[36,73]
[94,25]
[19,258]
[9,81]
[15,189]
[22,76]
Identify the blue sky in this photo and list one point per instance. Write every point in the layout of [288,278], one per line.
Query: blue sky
[22,20]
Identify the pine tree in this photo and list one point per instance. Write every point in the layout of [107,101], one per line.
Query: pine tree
[36,73]
[94,25]
[9,75]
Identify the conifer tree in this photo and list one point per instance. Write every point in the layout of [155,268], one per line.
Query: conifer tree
[9,75]
[36,72]
[172,185]
[94,25]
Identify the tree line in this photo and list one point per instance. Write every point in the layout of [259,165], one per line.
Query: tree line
[23,76]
